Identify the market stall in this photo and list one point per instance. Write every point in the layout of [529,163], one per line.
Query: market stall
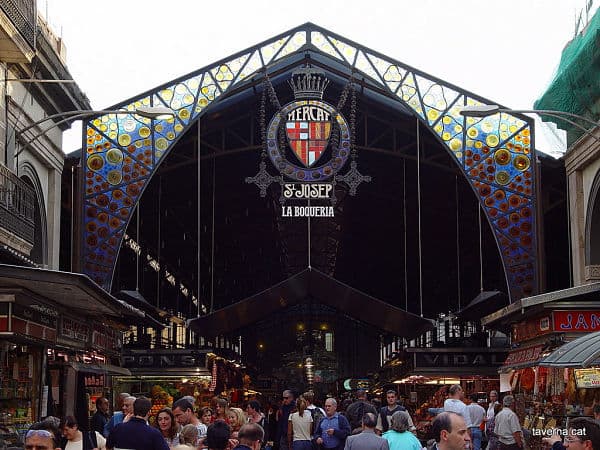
[543,329]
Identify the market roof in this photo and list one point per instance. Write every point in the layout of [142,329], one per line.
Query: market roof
[300,288]
[73,291]
[581,352]
[581,293]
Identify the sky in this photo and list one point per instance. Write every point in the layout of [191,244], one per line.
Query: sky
[504,50]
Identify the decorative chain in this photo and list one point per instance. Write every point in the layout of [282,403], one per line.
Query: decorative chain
[353,121]
[272,94]
[263,120]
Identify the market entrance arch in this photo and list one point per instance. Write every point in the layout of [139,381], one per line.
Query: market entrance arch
[123,152]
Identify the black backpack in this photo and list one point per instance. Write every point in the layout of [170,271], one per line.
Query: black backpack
[317,416]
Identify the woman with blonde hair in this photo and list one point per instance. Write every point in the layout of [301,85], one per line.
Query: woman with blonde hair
[237,418]
[189,436]
[300,427]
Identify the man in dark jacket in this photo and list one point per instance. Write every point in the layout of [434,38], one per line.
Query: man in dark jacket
[356,410]
[101,416]
[283,414]
[136,434]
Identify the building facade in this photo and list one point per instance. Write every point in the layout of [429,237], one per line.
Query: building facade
[32,161]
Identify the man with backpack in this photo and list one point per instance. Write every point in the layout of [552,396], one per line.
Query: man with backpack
[356,411]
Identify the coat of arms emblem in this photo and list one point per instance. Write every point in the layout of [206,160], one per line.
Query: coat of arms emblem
[307,140]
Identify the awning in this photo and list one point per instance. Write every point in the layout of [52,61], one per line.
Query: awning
[137,300]
[301,288]
[100,368]
[73,291]
[522,358]
[485,303]
[581,352]
[584,294]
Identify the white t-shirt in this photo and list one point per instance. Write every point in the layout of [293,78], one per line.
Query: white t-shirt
[457,406]
[78,445]
[301,425]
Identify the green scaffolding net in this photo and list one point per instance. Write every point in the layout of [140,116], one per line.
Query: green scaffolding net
[576,85]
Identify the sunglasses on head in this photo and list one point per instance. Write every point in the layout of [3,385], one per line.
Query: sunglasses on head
[40,433]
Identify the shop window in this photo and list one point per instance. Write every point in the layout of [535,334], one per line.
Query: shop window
[19,386]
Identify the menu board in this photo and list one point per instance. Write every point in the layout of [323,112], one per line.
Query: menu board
[587,378]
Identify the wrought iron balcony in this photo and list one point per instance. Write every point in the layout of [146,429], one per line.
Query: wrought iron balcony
[17,205]
[22,14]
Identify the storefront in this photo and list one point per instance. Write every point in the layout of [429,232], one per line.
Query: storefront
[434,370]
[25,333]
[78,375]
[547,395]
[165,375]
[53,326]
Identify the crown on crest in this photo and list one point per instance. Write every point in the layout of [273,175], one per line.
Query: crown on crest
[308,83]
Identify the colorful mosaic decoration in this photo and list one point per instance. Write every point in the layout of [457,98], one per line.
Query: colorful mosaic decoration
[122,151]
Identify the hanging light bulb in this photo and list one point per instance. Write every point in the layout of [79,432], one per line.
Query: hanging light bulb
[308,367]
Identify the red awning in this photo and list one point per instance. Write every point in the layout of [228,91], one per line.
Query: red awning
[522,357]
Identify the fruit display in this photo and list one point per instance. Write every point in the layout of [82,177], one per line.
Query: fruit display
[160,399]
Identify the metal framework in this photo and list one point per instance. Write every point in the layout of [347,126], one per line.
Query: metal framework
[122,152]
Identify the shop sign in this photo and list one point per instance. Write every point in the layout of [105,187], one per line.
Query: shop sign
[587,378]
[36,315]
[458,359]
[531,328]
[32,322]
[105,338]
[524,355]
[74,330]
[157,359]
[576,321]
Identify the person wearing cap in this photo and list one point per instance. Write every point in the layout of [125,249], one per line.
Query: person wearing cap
[507,426]
[356,410]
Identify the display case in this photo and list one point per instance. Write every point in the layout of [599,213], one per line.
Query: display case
[19,389]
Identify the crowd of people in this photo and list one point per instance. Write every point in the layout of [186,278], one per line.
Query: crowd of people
[301,425]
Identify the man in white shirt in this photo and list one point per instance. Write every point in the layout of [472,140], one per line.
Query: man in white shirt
[476,418]
[507,426]
[455,404]
[184,414]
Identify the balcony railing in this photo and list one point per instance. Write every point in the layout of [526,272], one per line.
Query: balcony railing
[17,205]
[22,14]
